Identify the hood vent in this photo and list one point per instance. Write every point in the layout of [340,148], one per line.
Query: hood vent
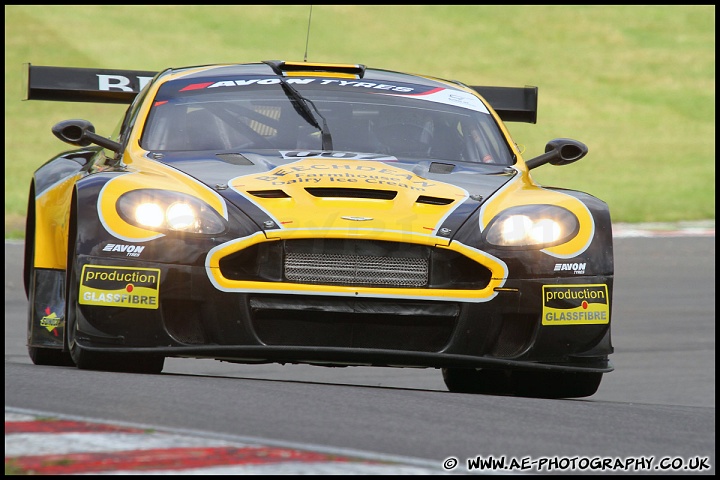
[351,193]
[269,193]
[434,200]
[437,167]
[234,158]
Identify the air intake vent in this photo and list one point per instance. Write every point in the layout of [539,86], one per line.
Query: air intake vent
[321,69]
[351,193]
[434,200]
[331,261]
[436,167]
[269,193]
[234,158]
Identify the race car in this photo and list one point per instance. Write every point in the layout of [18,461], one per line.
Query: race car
[315,213]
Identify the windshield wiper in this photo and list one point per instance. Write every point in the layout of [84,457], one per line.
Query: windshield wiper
[301,103]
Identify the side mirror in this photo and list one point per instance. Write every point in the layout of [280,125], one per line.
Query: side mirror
[560,151]
[81,133]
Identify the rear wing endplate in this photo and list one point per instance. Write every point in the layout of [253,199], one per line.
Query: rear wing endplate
[66,84]
[512,104]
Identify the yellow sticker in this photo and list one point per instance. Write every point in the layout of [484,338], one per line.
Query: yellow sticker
[575,305]
[50,321]
[127,287]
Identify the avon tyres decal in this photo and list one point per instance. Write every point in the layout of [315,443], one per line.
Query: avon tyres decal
[575,305]
[244,82]
[120,287]
[446,96]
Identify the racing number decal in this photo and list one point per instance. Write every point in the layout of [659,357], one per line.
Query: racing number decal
[120,287]
[575,305]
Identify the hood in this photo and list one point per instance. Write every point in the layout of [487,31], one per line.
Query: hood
[295,194]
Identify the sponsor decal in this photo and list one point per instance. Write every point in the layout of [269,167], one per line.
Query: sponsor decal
[131,250]
[450,97]
[128,287]
[575,305]
[120,82]
[360,175]
[576,268]
[300,154]
[300,81]
[51,321]
[431,94]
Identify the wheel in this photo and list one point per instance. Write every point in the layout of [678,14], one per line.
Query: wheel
[470,380]
[552,384]
[50,356]
[85,359]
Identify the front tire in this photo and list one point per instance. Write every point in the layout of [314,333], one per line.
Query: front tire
[50,357]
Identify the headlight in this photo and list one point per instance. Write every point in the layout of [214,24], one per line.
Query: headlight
[535,226]
[163,210]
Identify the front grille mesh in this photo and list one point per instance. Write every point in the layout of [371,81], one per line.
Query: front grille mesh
[356,269]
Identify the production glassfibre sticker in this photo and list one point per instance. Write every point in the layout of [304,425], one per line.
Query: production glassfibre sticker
[575,305]
[127,287]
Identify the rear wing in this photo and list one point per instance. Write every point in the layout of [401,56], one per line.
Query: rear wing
[66,84]
[512,104]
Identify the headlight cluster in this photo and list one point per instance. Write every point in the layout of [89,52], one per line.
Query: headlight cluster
[536,226]
[163,210]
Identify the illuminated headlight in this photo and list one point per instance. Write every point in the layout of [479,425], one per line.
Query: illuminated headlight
[163,210]
[536,226]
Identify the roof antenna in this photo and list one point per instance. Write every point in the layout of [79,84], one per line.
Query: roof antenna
[308,35]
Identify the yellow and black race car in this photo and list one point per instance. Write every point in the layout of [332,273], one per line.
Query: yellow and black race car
[328,214]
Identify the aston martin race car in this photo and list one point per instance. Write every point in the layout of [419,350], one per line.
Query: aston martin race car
[325,214]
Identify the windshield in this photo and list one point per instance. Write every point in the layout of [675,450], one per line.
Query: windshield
[264,117]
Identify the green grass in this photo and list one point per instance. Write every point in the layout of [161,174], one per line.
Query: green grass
[635,83]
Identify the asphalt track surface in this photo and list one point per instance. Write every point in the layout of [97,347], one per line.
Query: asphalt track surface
[656,410]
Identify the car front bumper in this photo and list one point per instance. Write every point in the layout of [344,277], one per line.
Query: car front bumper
[193,318]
